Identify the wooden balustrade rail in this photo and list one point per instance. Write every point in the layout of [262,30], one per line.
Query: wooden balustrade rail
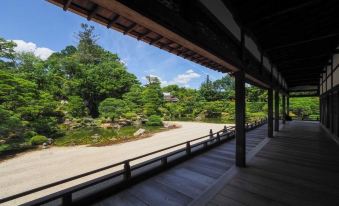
[211,140]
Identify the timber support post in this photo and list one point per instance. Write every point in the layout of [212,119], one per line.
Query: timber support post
[276,111]
[288,106]
[240,119]
[270,113]
[283,109]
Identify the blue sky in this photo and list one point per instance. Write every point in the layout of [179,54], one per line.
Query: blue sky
[42,28]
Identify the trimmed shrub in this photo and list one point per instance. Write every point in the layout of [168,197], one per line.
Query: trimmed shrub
[29,134]
[131,115]
[38,140]
[154,120]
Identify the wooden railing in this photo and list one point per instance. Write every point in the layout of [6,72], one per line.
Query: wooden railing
[189,149]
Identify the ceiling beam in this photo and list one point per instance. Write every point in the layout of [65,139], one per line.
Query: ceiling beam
[112,21]
[92,13]
[281,13]
[291,59]
[297,75]
[301,69]
[67,4]
[306,78]
[296,43]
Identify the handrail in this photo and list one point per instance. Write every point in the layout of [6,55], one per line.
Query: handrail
[127,168]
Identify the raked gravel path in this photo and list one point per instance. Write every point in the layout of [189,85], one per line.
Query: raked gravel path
[41,167]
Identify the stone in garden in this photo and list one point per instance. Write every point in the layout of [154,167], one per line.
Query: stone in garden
[88,120]
[139,132]
[95,136]
[106,125]
[50,141]
[2,141]
[116,126]
[67,122]
[137,122]
[44,145]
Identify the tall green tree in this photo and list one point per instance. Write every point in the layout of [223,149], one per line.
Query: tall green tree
[6,52]
[152,98]
[113,108]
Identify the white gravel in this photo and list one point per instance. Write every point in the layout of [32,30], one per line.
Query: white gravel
[41,167]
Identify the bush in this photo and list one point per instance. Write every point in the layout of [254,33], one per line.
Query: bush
[154,120]
[29,134]
[131,115]
[38,139]
[76,106]
[254,107]
[112,108]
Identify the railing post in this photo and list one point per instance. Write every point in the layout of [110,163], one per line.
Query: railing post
[67,199]
[188,148]
[211,134]
[225,129]
[127,168]
[218,137]
[164,161]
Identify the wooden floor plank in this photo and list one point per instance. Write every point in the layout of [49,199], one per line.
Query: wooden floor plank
[188,180]
[154,193]
[299,166]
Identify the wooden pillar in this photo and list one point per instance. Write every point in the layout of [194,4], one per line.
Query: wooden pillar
[240,119]
[270,112]
[288,106]
[332,98]
[283,109]
[276,111]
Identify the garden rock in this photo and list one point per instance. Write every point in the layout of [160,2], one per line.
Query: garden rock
[139,132]
[50,141]
[44,145]
[95,137]
[107,125]
[2,141]
[137,123]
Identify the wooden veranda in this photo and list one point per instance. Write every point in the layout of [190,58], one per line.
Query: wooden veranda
[289,48]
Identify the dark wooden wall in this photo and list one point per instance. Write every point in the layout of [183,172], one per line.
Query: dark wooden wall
[329,108]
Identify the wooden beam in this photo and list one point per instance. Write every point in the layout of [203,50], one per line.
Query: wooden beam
[144,34]
[297,43]
[281,12]
[156,40]
[67,4]
[305,95]
[93,12]
[240,106]
[281,61]
[303,79]
[113,20]
[292,69]
[133,25]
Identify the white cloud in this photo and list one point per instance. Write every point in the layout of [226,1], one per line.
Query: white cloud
[41,52]
[180,79]
[124,62]
[185,78]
